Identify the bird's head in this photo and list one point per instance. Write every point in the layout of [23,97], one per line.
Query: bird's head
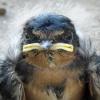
[50,32]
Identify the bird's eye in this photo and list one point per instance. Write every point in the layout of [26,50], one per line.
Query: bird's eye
[66,38]
[69,38]
[31,38]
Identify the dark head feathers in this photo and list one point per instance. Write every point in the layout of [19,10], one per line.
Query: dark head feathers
[51,25]
[50,22]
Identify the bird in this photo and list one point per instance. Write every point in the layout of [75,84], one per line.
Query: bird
[51,64]
[48,60]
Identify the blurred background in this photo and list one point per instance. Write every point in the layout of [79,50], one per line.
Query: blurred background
[8,9]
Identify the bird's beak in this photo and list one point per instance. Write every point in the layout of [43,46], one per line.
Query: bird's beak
[45,45]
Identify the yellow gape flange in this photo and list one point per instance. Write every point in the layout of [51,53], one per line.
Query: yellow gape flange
[56,46]
[32,46]
[63,46]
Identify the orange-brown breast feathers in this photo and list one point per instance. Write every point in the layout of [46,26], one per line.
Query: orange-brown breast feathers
[45,60]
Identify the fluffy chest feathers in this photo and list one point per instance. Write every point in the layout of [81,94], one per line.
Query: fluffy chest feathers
[49,59]
[52,78]
[50,67]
